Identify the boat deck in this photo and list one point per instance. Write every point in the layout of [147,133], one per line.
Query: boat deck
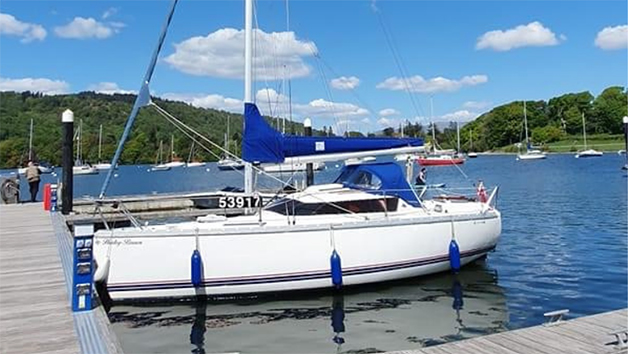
[35,312]
[584,335]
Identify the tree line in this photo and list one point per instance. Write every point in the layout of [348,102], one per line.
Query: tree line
[111,111]
[548,121]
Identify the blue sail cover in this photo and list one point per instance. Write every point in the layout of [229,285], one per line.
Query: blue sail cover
[263,144]
[389,180]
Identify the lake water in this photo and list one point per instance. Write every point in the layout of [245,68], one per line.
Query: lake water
[563,245]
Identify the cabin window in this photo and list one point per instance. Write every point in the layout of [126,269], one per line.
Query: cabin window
[363,179]
[291,207]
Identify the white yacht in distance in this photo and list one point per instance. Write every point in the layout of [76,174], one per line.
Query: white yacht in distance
[587,152]
[530,154]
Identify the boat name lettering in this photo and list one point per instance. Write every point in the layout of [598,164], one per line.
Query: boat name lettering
[229,202]
[116,242]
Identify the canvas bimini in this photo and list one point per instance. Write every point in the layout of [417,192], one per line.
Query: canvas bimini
[369,226]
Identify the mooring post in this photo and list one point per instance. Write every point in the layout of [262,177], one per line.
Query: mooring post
[309,168]
[67,119]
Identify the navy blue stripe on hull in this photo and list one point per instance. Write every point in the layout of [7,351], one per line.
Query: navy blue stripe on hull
[290,278]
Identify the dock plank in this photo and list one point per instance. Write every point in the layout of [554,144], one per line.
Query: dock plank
[582,335]
[35,314]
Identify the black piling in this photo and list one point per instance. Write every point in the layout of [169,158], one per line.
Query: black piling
[67,119]
[309,168]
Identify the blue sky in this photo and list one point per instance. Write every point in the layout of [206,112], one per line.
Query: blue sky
[468,56]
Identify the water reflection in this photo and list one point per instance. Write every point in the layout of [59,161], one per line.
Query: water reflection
[401,315]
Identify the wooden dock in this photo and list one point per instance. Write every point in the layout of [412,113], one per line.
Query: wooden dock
[35,313]
[584,335]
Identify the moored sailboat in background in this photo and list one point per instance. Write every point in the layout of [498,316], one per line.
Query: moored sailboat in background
[191,161]
[587,152]
[471,154]
[530,154]
[80,167]
[31,155]
[101,165]
[228,161]
[159,162]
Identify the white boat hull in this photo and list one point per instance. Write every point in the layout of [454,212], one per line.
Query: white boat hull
[262,258]
[589,153]
[531,156]
[229,164]
[160,168]
[195,164]
[84,170]
[102,166]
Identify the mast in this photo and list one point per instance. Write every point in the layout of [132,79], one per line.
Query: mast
[161,151]
[433,129]
[471,139]
[99,142]
[525,122]
[78,145]
[227,137]
[30,143]
[142,99]
[248,77]
[584,131]
[191,152]
[458,134]
[171,147]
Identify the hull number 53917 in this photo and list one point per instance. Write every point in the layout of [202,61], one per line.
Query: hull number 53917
[231,201]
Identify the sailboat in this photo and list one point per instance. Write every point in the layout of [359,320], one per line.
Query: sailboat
[191,162]
[159,162]
[441,157]
[229,162]
[101,165]
[471,154]
[587,152]
[42,169]
[174,161]
[81,168]
[368,226]
[530,154]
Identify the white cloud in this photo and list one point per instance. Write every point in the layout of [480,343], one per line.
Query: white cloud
[84,28]
[437,84]
[534,34]
[461,116]
[366,121]
[477,105]
[318,108]
[29,32]
[387,122]
[109,12]
[209,101]
[45,86]
[326,109]
[345,83]
[108,88]
[387,112]
[277,55]
[612,38]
